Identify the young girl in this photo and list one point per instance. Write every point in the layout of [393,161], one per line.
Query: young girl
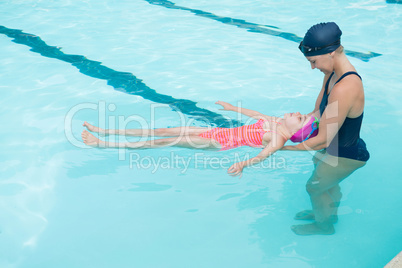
[269,133]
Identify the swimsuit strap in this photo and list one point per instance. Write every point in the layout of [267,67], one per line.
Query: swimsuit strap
[340,78]
[327,84]
[273,131]
[346,74]
[273,121]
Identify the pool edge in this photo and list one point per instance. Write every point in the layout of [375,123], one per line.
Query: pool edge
[396,262]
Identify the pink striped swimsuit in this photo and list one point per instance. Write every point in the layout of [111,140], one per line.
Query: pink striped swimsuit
[229,138]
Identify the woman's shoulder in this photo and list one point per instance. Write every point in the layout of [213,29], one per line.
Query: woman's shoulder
[349,82]
[348,90]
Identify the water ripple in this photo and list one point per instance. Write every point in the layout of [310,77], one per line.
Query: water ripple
[253,27]
[121,81]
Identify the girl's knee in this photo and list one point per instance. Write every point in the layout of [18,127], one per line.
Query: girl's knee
[164,142]
[161,131]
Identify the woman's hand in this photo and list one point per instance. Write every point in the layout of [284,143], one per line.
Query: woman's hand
[236,169]
[226,106]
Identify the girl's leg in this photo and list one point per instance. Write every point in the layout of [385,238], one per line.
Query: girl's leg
[190,141]
[158,132]
[324,191]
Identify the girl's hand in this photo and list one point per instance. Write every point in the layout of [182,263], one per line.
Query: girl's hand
[236,169]
[226,106]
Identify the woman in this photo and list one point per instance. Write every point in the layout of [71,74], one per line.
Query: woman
[269,133]
[339,106]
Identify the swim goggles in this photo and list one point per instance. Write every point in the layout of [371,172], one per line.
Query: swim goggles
[314,127]
[306,49]
[308,131]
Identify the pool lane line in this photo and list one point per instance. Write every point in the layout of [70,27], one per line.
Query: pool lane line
[253,27]
[394,1]
[120,81]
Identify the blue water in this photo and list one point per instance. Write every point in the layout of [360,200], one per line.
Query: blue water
[129,63]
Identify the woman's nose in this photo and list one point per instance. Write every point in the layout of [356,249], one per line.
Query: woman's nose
[312,65]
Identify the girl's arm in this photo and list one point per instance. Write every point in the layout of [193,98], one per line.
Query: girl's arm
[237,168]
[250,113]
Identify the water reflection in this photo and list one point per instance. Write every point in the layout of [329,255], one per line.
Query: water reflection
[256,28]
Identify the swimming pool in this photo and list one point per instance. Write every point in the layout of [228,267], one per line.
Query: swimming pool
[124,63]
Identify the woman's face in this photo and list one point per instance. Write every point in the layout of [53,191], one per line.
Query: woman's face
[324,63]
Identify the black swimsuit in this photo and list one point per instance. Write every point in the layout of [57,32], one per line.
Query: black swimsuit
[347,142]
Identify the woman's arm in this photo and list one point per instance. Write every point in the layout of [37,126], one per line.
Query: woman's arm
[340,101]
[250,113]
[237,168]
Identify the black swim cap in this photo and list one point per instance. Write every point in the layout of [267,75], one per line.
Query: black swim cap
[321,39]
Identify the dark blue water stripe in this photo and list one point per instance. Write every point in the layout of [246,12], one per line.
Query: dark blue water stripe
[121,81]
[253,27]
[394,1]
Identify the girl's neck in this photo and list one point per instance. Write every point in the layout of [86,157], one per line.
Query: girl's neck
[284,132]
[281,128]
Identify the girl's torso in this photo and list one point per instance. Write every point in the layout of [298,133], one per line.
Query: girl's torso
[254,135]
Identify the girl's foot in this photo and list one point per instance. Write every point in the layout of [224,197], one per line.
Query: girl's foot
[92,128]
[90,139]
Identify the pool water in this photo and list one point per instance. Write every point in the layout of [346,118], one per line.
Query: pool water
[126,64]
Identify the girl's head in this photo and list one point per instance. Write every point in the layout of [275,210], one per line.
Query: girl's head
[301,127]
